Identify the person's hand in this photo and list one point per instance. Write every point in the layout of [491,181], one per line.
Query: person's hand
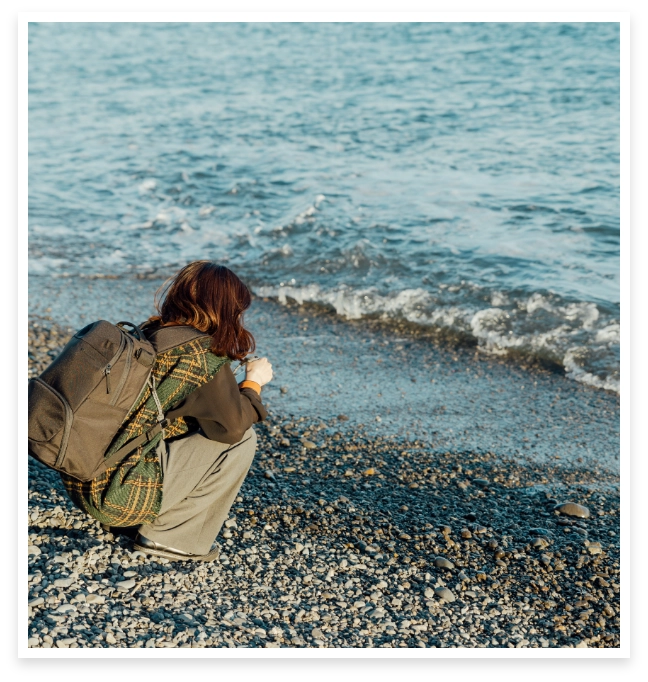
[259,371]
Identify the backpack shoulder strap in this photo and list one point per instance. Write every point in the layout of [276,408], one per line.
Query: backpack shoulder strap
[165,338]
[123,452]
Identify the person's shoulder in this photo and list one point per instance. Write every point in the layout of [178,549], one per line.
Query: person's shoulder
[181,338]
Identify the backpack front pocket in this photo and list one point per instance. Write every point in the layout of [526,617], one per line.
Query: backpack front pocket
[49,416]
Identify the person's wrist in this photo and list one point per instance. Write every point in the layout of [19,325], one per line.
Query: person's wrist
[250,383]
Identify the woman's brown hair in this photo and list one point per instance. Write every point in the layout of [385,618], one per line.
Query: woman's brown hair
[211,298]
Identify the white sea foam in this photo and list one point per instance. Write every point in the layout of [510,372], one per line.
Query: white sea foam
[499,298]
[587,313]
[577,373]
[46,265]
[538,302]
[147,186]
[609,334]
[304,215]
[491,327]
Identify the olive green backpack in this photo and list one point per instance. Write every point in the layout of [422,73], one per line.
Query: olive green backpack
[78,404]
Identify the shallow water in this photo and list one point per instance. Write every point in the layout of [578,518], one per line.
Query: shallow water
[463,176]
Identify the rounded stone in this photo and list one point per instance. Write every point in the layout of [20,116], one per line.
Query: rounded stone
[445,594]
[63,582]
[125,585]
[573,509]
[442,562]
[95,599]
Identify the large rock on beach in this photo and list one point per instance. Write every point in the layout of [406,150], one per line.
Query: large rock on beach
[573,509]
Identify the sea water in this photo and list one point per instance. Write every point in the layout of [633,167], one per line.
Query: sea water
[459,176]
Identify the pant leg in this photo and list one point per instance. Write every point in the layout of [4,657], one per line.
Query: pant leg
[201,481]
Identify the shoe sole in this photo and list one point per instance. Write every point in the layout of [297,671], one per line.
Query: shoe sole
[212,556]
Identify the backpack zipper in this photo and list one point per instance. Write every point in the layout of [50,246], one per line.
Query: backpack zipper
[129,359]
[109,366]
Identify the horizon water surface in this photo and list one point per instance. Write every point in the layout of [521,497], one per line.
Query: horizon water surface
[463,177]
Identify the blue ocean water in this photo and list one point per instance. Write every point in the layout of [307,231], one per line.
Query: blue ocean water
[463,176]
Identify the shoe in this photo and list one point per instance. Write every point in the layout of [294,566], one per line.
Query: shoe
[155,548]
[128,531]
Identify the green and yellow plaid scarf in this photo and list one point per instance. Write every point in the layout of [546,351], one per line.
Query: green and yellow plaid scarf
[130,493]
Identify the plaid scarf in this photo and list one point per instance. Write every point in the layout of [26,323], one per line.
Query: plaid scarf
[130,493]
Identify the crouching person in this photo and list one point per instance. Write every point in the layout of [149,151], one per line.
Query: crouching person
[173,493]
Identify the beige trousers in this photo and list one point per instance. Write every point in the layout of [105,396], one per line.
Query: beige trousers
[201,479]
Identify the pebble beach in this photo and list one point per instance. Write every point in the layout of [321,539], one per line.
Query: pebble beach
[428,217]
[346,535]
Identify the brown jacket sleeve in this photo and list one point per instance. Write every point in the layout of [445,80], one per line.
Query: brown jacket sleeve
[224,412]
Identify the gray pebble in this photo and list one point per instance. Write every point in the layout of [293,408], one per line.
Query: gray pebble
[445,594]
[63,582]
[125,585]
[442,562]
[95,599]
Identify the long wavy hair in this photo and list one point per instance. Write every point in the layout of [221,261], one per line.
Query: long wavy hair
[212,299]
